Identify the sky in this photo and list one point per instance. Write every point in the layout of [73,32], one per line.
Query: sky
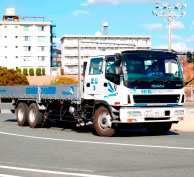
[124,17]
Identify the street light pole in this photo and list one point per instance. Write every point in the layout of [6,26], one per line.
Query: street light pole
[171,14]
[169,33]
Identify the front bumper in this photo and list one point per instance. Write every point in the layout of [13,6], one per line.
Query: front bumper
[151,114]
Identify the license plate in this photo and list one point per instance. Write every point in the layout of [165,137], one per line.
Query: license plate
[153,113]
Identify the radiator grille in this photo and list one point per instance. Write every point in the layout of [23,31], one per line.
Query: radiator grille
[156,98]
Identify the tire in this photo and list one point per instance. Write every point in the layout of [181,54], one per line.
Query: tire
[22,114]
[34,116]
[102,122]
[159,128]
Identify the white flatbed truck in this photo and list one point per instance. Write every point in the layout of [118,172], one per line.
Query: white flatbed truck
[117,90]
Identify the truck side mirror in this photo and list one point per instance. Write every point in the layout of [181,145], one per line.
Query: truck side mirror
[189,57]
[117,59]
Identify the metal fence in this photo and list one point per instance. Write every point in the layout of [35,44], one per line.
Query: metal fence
[189,91]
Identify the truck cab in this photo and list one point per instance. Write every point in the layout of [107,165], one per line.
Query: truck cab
[137,88]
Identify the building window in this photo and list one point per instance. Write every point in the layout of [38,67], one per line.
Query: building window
[27,48]
[5,46]
[26,58]
[26,38]
[5,26]
[40,28]
[16,57]
[16,36]
[26,28]
[41,48]
[41,58]
[16,26]
[16,47]
[41,38]
[5,36]
[5,56]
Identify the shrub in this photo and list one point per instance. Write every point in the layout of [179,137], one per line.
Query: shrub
[43,71]
[11,77]
[63,80]
[38,71]
[19,70]
[25,72]
[31,71]
[62,71]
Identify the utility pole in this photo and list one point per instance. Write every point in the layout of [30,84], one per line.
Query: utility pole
[171,12]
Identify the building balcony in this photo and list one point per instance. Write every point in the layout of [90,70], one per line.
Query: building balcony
[53,35]
[53,45]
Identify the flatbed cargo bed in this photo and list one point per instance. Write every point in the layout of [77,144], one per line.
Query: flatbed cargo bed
[52,92]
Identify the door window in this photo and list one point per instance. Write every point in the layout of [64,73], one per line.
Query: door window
[96,66]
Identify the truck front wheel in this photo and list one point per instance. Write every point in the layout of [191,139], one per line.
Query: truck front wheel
[22,114]
[159,128]
[102,122]
[34,116]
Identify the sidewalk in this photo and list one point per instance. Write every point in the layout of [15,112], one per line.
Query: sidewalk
[187,125]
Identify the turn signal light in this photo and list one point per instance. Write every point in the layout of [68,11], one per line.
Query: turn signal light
[117,103]
[129,120]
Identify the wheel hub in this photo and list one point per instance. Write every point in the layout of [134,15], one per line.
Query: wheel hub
[104,121]
[20,114]
[32,116]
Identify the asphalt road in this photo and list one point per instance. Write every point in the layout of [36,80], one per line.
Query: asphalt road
[65,152]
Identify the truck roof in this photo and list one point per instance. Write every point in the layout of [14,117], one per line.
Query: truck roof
[152,51]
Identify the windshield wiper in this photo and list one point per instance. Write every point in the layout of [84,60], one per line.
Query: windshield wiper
[136,81]
[151,81]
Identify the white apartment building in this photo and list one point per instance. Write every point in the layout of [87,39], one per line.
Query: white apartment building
[25,44]
[106,45]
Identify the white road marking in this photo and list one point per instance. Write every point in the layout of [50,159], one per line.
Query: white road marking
[4,175]
[49,172]
[95,142]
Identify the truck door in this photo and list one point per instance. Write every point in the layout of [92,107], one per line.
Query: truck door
[112,91]
[93,83]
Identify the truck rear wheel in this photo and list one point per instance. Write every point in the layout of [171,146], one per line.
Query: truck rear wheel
[22,114]
[102,122]
[34,116]
[159,128]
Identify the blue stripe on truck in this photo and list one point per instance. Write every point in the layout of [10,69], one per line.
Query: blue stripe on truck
[32,90]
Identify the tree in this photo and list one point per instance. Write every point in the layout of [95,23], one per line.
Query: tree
[11,77]
[31,71]
[63,80]
[62,71]
[25,71]
[19,70]
[38,71]
[193,57]
[43,71]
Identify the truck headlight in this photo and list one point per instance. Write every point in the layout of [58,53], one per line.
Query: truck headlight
[134,113]
[179,113]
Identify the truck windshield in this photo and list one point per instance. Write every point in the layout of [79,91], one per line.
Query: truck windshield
[151,68]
